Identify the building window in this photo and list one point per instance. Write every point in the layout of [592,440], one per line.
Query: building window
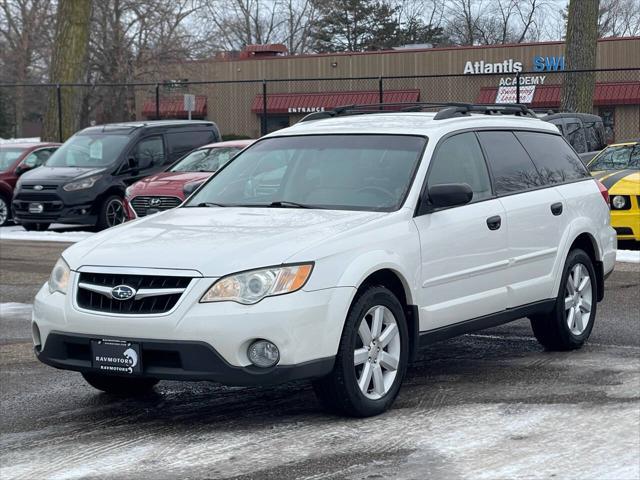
[608,115]
[277,122]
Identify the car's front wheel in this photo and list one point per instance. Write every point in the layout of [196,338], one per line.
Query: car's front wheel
[5,212]
[372,357]
[120,385]
[112,213]
[570,323]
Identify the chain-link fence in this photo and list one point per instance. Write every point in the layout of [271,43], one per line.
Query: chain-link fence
[250,108]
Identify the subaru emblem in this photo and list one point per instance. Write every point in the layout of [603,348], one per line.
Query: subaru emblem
[38,187]
[122,292]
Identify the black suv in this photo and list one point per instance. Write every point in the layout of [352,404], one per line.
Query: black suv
[84,182]
[584,131]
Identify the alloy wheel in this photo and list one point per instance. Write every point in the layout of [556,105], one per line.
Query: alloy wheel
[4,211]
[115,213]
[377,354]
[578,299]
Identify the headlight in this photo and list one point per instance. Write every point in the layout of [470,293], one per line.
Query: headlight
[59,279]
[619,202]
[81,184]
[127,192]
[252,286]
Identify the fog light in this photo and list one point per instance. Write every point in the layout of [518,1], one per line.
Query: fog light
[619,202]
[263,353]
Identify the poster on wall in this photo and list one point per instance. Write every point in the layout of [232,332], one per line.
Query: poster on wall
[508,94]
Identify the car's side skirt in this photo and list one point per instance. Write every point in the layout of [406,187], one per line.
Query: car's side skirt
[487,321]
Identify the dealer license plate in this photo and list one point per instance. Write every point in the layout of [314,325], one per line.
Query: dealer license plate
[116,356]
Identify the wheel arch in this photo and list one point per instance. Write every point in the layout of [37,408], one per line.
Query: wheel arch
[586,241]
[116,189]
[393,280]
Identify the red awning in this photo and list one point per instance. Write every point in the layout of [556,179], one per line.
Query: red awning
[548,96]
[301,103]
[173,107]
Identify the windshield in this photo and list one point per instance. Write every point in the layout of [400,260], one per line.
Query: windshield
[205,160]
[94,150]
[349,172]
[617,158]
[8,155]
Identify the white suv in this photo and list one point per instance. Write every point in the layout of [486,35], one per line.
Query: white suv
[332,250]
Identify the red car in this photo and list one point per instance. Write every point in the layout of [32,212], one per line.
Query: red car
[165,190]
[15,159]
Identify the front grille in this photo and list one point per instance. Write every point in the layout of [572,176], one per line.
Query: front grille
[155,303]
[37,197]
[44,187]
[142,204]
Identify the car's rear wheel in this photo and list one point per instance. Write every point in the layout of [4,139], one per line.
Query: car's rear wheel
[112,213]
[372,357]
[4,211]
[35,227]
[570,322]
[120,385]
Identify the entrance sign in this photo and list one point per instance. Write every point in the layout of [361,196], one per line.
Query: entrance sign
[509,94]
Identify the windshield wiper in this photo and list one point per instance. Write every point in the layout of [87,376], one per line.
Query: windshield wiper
[287,204]
[208,204]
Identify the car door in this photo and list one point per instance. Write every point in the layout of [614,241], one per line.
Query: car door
[534,212]
[464,248]
[149,153]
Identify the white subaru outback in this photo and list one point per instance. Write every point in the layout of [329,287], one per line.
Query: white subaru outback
[332,250]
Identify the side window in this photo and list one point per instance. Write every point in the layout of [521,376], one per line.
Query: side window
[575,135]
[510,165]
[553,158]
[183,142]
[150,152]
[459,159]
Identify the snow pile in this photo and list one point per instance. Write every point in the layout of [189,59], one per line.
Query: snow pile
[19,233]
[628,256]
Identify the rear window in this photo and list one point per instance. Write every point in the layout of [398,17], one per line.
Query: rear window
[510,165]
[555,160]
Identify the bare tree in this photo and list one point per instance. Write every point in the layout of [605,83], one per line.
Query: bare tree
[68,65]
[619,18]
[580,53]
[25,33]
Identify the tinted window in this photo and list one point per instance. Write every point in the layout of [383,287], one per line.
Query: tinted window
[575,134]
[510,165]
[459,159]
[150,152]
[351,172]
[184,141]
[553,158]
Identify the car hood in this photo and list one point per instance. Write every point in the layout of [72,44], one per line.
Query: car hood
[167,182]
[620,182]
[214,241]
[57,174]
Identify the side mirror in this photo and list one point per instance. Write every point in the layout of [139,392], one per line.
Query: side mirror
[189,188]
[450,195]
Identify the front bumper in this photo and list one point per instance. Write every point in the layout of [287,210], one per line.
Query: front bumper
[55,212]
[177,360]
[305,325]
[626,223]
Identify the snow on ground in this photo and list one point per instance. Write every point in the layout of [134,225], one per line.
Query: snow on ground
[13,308]
[628,256]
[18,233]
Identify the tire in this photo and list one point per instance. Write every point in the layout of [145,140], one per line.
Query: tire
[578,308]
[112,212]
[5,211]
[340,391]
[35,227]
[120,385]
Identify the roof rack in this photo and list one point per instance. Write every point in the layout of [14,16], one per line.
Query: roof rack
[449,109]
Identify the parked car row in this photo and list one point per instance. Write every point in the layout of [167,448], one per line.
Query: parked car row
[85,180]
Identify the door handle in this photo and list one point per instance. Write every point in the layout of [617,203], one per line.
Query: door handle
[494,222]
[556,208]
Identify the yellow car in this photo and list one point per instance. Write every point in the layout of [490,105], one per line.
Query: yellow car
[618,168]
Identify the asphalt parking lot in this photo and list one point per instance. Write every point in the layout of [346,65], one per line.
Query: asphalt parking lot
[491,405]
